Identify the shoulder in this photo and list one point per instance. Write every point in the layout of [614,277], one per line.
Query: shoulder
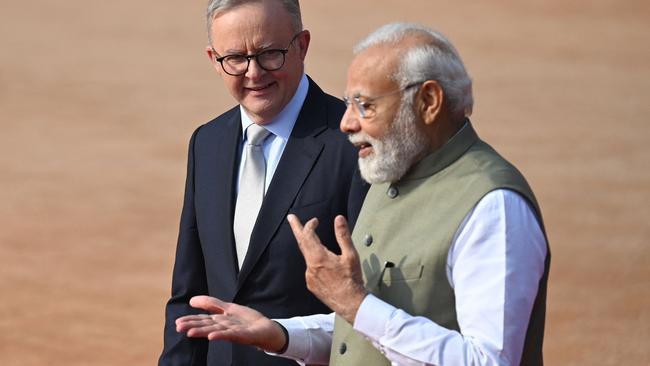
[484,163]
[509,215]
[223,121]
[328,106]
[218,126]
[505,202]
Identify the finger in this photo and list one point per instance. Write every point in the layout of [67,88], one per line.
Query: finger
[296,225]
[309,236]
[209,324]
[190,318]
[223,335]
[310,226]
[209,304]
[187,324]
[308,242]
[205,331]
[342,232]
[300,231]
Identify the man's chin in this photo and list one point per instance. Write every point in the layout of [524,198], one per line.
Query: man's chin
[371,172]
[378,172]
[261,110]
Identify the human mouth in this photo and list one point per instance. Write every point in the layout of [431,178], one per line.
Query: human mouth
[361,142]
[259,88]
[365,148]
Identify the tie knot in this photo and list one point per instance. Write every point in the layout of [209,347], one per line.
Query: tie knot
[256,134]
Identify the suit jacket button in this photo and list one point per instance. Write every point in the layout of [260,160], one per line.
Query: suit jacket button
[367,240]
[392,192]
[343,348]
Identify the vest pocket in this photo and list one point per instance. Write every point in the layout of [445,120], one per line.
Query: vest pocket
[397,285]
[403,273]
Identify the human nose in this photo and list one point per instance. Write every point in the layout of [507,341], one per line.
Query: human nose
[350,120]
[254,70]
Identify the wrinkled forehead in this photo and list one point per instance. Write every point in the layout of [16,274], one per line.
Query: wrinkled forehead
[256,25]
[373,71]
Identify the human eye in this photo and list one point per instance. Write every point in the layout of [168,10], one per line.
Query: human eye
[272,54]
[235,59]
[366,108]
[271,60]
[366,104]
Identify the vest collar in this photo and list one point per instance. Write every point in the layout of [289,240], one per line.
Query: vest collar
[444,156]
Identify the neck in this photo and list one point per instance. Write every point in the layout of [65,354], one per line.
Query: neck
[443,130]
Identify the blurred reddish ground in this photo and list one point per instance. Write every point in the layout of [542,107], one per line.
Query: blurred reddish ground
[99,98]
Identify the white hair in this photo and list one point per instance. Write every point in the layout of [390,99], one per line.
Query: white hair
[218,6]
[435,59]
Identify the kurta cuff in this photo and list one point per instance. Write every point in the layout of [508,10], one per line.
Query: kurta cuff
[298,347]
[372,317]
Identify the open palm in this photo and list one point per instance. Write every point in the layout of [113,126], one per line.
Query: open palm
[231,322]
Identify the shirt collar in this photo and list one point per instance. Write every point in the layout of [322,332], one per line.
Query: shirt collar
[282,124]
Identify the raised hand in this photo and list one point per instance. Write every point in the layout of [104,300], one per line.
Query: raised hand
[231,322]
[335,279]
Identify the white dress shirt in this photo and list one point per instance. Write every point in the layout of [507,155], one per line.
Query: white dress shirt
[494,265]
[280,128]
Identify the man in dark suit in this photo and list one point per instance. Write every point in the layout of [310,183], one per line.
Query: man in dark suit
[234,241]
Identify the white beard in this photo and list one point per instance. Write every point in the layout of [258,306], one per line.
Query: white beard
[396,152]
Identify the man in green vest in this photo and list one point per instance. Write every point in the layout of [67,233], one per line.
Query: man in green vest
[448,262]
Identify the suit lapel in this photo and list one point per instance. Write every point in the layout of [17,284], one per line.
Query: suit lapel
[299,156]
[226,159]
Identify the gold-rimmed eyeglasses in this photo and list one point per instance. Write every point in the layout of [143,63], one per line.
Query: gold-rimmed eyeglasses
[366,105]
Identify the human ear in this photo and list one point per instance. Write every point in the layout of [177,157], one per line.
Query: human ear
[213,56]
[303,42]
[430,98]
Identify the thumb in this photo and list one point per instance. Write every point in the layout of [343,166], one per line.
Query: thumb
[209,304]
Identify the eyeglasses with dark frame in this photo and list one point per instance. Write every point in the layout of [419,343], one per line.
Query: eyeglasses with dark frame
[269,60]
[365,105]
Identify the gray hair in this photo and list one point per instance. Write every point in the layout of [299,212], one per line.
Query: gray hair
[218,6]
[436,59]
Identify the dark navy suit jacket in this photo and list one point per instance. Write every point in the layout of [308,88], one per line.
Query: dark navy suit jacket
[317,176]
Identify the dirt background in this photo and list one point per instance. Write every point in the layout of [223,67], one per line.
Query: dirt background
[98,100]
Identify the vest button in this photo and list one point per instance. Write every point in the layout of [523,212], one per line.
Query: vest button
[343,348]
[367,240]
[392,192]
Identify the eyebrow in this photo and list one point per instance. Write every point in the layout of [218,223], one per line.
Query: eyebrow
[262,47]
[360,95]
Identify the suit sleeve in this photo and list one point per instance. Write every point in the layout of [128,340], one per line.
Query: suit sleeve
[188,280]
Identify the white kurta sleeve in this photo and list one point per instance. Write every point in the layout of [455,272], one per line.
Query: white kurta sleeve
[495,264]
[310,338]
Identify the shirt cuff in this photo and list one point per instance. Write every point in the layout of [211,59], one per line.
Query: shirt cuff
[372,317]
[298,347]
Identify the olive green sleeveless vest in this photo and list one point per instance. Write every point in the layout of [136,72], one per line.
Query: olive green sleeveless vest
[411,224]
